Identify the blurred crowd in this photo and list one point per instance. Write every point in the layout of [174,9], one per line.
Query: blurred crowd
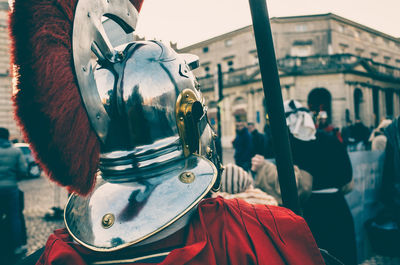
[354,136]
[322,169]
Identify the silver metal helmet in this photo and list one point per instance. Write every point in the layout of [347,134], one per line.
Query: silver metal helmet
[158,157]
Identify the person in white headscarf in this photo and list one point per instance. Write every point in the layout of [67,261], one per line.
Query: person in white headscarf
[299,121]
[378,138]
[326,159]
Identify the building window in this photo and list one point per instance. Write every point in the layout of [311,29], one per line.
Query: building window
[207,70]
[300,51]
[343,47]
[341,28]
[228,43]
[358,99]
[359,51]
[301,27]
[230,66]
[386,59]
[389,104]
[206,67]
[205,49]
[357,34]
[374,55]
[254,56]
[301,48]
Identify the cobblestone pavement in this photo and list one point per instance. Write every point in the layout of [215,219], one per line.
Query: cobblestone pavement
[40,195]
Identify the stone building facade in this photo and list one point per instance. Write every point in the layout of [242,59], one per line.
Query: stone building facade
[325,61]
[6,109]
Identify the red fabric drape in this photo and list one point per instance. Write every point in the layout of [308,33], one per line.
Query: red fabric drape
[224,232]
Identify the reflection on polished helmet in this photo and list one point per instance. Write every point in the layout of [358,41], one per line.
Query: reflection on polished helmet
[158,158]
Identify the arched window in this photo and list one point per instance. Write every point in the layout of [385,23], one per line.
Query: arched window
[320,99]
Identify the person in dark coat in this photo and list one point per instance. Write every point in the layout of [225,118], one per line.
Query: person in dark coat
[348,140]
[12,166]
[390,193]
[326,159]
[242,146]
[257,140]
[360,133]
[384,229]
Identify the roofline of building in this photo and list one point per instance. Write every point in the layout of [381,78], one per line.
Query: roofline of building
[216,38]
[281,19]
[337,18]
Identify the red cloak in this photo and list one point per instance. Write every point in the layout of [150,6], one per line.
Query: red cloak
[224,232]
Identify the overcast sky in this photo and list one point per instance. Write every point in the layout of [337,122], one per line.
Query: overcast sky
[190,21]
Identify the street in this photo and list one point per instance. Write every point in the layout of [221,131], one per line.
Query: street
[40,196]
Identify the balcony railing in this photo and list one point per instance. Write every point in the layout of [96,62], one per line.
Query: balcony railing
[304,65]
[336,62]
[231,78]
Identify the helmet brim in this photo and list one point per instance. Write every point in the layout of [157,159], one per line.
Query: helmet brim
[140,210]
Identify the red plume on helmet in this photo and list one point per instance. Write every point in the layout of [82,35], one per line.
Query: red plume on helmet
[47,102]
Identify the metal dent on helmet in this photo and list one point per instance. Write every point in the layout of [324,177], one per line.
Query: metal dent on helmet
[89,37]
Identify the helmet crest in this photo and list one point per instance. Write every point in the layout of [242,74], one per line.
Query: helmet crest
[47,103]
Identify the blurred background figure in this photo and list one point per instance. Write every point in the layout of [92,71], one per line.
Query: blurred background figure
[384,228]
[324,125]
[257,140]
[12,226]
[326,159]
[267,179]
[391,171]
[243,146]
[238,184]
[348,140]
[360,133]
[378,139]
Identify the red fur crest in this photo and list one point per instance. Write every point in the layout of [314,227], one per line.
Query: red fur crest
[48,106]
